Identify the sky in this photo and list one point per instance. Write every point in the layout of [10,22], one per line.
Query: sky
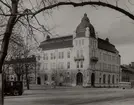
[107,23]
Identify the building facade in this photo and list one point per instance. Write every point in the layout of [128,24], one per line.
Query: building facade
[79,59]
[127,73]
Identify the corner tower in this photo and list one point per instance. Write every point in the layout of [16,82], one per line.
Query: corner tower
[81,47]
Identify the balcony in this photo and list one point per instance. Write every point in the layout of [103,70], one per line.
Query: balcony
[79,58]
[94,59]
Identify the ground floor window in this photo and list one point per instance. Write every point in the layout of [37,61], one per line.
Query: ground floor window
[117,79]
[109,79]
[113,79]
[104,78]
[99,80]
[45,77]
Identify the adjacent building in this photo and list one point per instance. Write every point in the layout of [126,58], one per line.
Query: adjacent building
[79,59]
[127,73]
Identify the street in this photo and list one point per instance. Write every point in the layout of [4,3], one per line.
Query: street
[73,96]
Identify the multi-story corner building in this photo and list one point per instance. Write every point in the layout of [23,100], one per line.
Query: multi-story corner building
[79,59]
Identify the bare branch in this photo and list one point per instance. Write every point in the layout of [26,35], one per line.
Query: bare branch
[130,2]
[99,3]
[6,4]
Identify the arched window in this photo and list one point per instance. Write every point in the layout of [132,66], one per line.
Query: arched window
[45,77]
[104,78]
[109,79]
[113,79]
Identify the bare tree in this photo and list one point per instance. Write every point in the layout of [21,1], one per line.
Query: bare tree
[15,11]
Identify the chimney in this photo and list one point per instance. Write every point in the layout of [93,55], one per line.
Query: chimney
[107,39]
[48,37]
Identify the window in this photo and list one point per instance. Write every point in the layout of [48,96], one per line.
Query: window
[113,79]
[54,56]
[68,54]
[68,65]
[45,57]
[109,79]
[62,56]
[81,64]
[77,64]
[100,80]
[76,42]
[100,66]
[80,42]
[117,79]
[62,65]
[77,53]
[109,57]
[113,68]
[59,55]
[45,77]
[93,53]
[104,57]
[113,58]
[51,55]
[104,78]
[81,52]
[108,67]
[103,65]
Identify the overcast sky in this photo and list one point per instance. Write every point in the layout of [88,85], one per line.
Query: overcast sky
[108,23]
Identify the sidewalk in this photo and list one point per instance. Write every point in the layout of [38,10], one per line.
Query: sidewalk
[44,87]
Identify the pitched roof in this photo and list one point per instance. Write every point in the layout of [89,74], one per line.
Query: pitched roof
[106,45]
[127,68]
[66,41]
[57,43]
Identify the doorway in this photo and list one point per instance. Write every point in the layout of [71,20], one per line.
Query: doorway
[38,81]
[79,79]
[93,79]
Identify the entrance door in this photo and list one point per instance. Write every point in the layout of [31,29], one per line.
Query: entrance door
[92,79]
[79,79]
[38,81]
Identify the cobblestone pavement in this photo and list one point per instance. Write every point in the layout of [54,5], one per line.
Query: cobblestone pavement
[73,96]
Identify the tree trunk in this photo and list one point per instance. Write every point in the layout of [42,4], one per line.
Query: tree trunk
[5,42]
[18,77]
[27,79]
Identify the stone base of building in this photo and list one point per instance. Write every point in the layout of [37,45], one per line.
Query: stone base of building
[83,78]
